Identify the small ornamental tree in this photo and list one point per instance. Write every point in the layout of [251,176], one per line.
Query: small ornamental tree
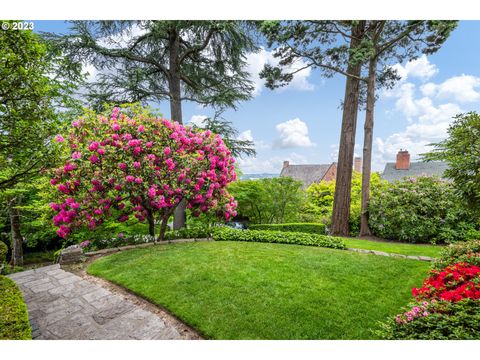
[128,162]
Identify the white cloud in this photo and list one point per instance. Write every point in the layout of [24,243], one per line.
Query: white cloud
[198,120]
[419,68]
[246,135]
[256,62]
[292,133]
[460,88]
[263,164]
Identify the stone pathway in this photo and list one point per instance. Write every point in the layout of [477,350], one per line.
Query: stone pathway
[62,305]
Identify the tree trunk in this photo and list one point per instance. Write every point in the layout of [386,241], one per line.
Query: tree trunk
[179,216]
[163,228]
[367,148]
[151,224]
[342,197]
[17,240]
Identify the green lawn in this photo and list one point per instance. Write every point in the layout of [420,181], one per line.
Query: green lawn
[395,247]
[240,290]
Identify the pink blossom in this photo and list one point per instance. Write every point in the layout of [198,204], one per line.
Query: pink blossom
[138,180]
[115,126]
[93,159]
[136,165]
[101,151]
[53,182]
[59,138]
[76,155]
[167,151]
[76,123]
[93,146]
[149,144]
[122,166]
[141,129]
[130,178]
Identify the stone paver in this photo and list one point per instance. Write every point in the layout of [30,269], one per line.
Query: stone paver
[62,305]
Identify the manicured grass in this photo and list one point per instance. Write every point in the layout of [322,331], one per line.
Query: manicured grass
[395,247]
[243,290]
[14,323]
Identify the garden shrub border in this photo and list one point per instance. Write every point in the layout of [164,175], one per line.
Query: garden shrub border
[268,236]
[14,324]
[309,228]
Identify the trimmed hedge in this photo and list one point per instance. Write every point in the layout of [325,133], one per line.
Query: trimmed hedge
[298,238]
[3,252]
[310,228]
[14,324]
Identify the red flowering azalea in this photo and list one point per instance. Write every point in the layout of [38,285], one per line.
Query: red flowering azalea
[127,162]
[454,283]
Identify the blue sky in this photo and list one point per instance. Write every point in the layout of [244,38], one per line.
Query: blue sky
[301,123]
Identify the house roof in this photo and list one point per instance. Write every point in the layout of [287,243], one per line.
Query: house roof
[308,174]
[433,168]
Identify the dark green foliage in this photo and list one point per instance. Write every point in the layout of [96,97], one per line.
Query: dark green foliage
[229,134]
[229,234]
[461,150]
[206,57]
[267,201]
[312,228]
[420,210]
[14,324]
[465,251]
[447,321]
[3,252]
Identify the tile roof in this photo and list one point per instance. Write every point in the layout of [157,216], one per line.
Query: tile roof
[433,168]
[308,174]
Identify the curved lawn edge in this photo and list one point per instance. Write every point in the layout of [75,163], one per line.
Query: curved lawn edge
[245,290]
[14,323]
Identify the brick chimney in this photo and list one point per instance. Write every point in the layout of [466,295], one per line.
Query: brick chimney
[357,164]
[286,163]
[403,160]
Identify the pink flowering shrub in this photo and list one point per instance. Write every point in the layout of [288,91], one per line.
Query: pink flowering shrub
[129,163]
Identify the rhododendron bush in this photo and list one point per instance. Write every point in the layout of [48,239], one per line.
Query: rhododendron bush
[447,306]
[127,162]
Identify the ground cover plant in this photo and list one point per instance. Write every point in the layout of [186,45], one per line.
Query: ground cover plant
[14,323]
[244,290]
[299,238]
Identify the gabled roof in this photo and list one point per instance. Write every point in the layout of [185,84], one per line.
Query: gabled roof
[308,174]
[433,168]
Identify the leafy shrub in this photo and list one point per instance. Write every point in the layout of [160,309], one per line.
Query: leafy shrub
[3,252]
[454,283]
[311,228]
[465,251]
[320,199]
[447,306]
[188,233]
[444,321]
[272,200]
[14,323]
[229,234]
[419,210]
